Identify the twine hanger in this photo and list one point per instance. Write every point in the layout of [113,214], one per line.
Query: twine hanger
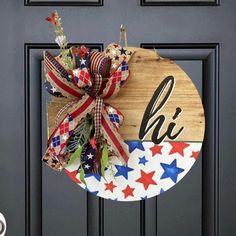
[123,35]
[157,54]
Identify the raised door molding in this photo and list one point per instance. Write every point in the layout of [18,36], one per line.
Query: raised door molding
[92,3]
[179,3]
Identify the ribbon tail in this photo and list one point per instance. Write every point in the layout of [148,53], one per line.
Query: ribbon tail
[114,139]
[54,156]
[51,160]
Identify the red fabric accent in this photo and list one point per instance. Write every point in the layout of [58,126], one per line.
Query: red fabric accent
[110,91]
[73,175]
[55,130]
[114,140]
[116,77]
[83,107]
[64,86]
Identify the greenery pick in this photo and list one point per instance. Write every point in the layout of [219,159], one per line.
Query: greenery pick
[82,174]
[75,155]
[104,160]
[61,40]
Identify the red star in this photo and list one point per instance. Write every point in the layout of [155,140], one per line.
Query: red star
[93,143]
[146,179]
[110,186]
[195,155]
[156,149]
[52,19]
[178,147]
[73,175]
[128,191]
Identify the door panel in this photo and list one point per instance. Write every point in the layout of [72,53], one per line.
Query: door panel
[121,218]
[199,36]
[196,204]
[186,207]
[180,2]
[63,2]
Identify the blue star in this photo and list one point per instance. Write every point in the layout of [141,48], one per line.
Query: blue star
[135,144]
[142,160]
[162,190]
[95,193]
[96,176]
[144,198]
[171,171]
[123,170]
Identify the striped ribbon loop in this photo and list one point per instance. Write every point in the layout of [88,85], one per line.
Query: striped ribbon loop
[100,64]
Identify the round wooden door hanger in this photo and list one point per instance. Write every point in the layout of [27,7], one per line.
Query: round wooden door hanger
[163,127]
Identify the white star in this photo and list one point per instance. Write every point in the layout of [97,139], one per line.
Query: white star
[114,65]
[64,137]
[90,156]
[113,52]
[82,61]
[53,89]
[87,166]
[76,72]
[110,110]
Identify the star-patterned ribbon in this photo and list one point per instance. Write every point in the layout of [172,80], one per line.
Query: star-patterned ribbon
[96,77]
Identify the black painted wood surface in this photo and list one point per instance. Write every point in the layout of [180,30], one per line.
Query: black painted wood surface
[199,36]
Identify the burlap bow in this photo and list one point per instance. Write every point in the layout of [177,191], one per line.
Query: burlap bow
[96,77]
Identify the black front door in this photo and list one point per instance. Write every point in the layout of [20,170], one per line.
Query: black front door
[199,36]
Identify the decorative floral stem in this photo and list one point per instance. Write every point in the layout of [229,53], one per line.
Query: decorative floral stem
[61,40]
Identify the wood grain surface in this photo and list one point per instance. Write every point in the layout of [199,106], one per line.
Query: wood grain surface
[147,71]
